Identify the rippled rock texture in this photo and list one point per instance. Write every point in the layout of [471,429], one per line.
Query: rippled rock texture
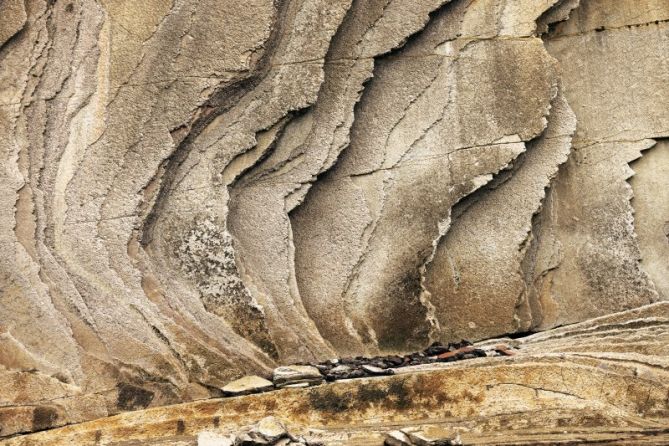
[195,190]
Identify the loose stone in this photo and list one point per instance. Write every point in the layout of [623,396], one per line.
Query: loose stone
[373,370]
[247,385]
[296,374]
[397,438]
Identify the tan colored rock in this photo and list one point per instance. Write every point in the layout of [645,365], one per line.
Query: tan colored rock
[397,438]
[194,191]
[271,429]
[604,380]
[651,213]
[213,439]
[246,385]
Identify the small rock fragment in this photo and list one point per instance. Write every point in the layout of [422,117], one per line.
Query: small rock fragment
[437,348]
[271,429]
[373,370]
[504,350]
[341,369]
[247,385]
[298,385]
[421,438]
[295,374]
[397,438]
[454,353]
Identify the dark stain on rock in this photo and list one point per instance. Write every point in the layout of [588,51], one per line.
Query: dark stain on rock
[216,421]
[330,401]
[371,393]
[401,320]
[181,427]
[44,417]
[395,396]
[399,395]
[131,397]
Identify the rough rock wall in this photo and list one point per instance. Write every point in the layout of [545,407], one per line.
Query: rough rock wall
[193,190]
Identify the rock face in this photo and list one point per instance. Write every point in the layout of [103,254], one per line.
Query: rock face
[196,190]
[602,381]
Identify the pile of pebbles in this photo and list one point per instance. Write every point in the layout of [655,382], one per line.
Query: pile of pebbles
[360,366]
[267,432]
[309,374]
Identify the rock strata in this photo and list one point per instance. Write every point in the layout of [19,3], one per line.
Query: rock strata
[192,191]
[604,380]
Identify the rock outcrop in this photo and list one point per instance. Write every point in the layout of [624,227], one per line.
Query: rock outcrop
[605,381]
[196,190]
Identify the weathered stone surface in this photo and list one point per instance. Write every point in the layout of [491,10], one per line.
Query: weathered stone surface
[296,374]
[651,213]
[247,384]
[196,190]
[214,439]
[271,429]
[397,438]
[602,380]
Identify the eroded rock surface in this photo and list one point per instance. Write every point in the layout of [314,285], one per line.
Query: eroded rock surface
[194,191]
[604,380]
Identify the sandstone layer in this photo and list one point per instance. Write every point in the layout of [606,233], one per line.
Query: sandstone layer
[196,190]
[603,381]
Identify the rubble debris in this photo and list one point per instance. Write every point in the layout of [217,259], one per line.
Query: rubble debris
[267,432]
[309,374]
[358,367]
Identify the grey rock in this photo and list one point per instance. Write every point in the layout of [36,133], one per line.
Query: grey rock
[296,374]
[373,370]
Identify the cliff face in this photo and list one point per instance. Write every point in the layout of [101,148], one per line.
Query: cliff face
[193,190]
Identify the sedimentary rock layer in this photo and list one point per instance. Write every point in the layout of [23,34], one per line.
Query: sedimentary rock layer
[604,380]
[192,191]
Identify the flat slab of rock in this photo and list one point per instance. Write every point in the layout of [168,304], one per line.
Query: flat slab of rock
[247,385]
[296,374]
[418,437]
